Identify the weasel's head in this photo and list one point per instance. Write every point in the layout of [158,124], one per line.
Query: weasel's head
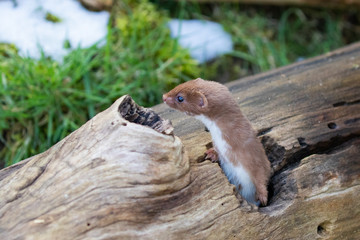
[188,97]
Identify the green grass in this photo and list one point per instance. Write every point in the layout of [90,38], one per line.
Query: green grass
[42,101]
[269,37]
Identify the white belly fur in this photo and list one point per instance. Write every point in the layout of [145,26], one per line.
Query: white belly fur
[237,175]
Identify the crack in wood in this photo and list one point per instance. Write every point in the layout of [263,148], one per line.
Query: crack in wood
[273,150]
[14,198]
[264,131]
[32,180]
[283,189]
[333,193]
[344,103]
[325,147]
[351,121]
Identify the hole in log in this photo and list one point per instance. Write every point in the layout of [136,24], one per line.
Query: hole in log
[302,142]
[323,228]
[209,145]
[132,112]
[320,230]
[275,154]
[270,190]
[273,151]
[332,125]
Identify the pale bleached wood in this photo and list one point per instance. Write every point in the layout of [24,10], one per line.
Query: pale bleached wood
[113,179]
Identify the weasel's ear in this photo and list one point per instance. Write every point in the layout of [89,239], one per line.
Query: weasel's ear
[203,102]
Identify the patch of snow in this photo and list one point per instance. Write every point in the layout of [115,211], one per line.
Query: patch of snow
[25,26]
[205,39]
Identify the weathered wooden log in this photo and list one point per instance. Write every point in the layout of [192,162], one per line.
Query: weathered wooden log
[115,178]
[313,3]
[97,5]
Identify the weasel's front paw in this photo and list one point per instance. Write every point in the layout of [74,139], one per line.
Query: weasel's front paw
[212,155]
[262,196]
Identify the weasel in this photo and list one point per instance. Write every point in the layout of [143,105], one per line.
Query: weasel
[239,151]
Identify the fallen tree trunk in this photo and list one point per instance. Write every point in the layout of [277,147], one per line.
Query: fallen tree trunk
[115,178]
[313,3]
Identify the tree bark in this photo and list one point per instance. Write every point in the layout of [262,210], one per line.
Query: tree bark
[116,177]
[313,3]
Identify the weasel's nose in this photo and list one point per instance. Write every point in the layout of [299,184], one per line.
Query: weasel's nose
[164,97]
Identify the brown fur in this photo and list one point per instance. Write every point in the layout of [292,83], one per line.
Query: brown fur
[215,101]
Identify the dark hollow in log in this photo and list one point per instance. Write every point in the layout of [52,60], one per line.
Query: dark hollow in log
[132,112]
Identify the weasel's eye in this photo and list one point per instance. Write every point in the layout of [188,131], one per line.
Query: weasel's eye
[179,98]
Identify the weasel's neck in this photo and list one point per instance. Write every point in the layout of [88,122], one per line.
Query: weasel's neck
[209,123]
[219,142]
[225,129]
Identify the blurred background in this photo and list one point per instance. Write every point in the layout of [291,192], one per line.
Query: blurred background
[63,61]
